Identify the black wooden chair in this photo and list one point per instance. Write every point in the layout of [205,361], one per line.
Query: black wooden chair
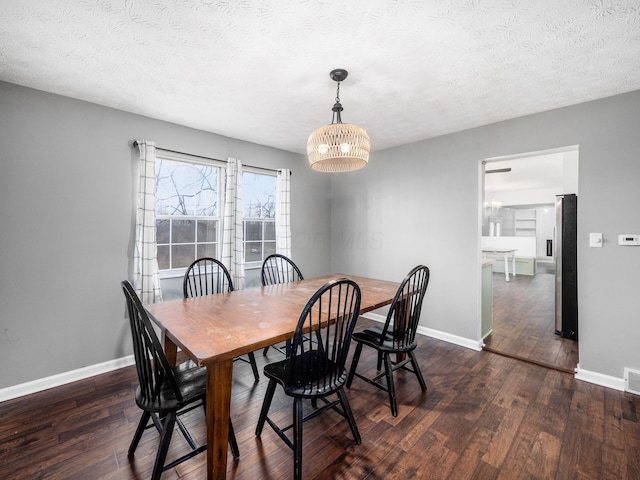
[277,269]
[316,369]
[208,276]
[396,336]
[164,393]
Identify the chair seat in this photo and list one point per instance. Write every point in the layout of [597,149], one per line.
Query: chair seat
[300,382]
[191,381]
[371,337]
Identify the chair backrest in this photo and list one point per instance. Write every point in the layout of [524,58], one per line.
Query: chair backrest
[278,268]
[206,276]
[155,375]
[331,315]
[404,314]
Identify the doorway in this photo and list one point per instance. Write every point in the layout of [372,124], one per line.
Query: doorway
[518,212]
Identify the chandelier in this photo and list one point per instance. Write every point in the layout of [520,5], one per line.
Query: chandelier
[338,147]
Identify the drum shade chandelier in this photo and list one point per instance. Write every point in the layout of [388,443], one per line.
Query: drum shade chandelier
[338,147]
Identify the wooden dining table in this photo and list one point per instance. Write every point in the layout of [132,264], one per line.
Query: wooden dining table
[213,329]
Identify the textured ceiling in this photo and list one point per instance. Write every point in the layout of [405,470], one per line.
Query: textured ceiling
[258,70]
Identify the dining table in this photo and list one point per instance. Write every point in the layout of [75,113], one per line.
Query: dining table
[214,329]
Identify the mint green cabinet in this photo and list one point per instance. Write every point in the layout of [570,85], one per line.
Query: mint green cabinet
[487,297]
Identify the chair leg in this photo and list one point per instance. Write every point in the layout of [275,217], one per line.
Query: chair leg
[379,365]
[163,448]
[388,370]
[268,396]
[346,408]
[264,352]
[142,424]
[254,366]
[186,433]
[233,443]
[416,369]
[354,364]
[297,438]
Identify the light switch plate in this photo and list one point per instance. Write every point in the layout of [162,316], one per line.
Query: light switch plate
[595,240]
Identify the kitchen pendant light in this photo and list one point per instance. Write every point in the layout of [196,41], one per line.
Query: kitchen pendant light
[338,147]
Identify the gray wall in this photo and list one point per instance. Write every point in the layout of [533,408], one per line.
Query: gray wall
[66,217]
[66,213]
[419,203]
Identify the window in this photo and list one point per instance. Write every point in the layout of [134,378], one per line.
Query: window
[259,199]
[187,212]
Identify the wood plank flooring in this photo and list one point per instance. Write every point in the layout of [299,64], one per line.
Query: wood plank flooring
[524,322]
[484,416]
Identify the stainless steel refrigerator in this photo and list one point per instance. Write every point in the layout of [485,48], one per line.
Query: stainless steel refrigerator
[566,244]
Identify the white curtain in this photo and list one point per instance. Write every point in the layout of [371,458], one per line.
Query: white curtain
[145,262]
[233,234]
[283,216]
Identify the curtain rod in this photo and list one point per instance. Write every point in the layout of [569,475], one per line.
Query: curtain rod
[135,144]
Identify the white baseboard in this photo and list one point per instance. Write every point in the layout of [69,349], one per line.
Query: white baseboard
[581,374]
[599,379]
[64,378]
[450,338]
[92,370]
[437,334]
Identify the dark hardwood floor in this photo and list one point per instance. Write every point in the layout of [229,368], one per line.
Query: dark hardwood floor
[484,416]
[524,322]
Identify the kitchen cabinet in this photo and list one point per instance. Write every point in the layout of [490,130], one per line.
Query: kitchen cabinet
[525,223]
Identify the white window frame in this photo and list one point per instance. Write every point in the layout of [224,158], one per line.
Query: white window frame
[257,264]
[186,158]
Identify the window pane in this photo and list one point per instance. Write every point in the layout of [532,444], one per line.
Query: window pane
[259,195]
[182,255]
[269,230]
[208,250]
[186,188]
[269,248]
[253,251]
[183,231]
[253,231]
[207,230]
[163,257]
[187,199]
[162,231]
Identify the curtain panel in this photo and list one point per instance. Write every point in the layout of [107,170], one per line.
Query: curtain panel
[232,228]
[145,261]
[283,216]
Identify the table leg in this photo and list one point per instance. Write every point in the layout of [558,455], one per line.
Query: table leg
[514,264]
[170,350]
[506,267]
[219,377]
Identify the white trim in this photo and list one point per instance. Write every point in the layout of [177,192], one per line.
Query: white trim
[450,338]
[599,379]
[260,170]
[437,334]
[548,151]
[189,158]
[64,378]
[105,367]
